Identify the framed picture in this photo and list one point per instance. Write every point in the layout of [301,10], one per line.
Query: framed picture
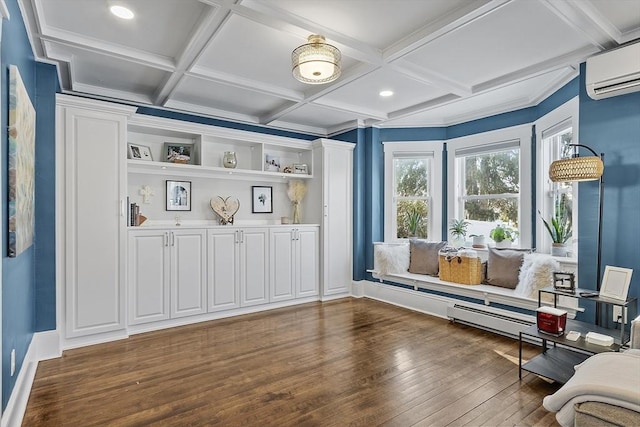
[174,152]
[615,282]
[139,152]
[261,199]
[178,195]
[271,163]
[300,168]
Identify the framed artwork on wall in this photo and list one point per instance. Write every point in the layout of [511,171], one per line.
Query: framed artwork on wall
[261,199]
[178,195]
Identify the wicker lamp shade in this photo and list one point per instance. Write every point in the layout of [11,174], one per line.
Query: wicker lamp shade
[587,168]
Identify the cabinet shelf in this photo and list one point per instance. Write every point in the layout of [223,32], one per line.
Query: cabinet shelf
[171,169]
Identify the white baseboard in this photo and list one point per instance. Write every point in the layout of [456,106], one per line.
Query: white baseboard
[47,345]
[434,305]
[14,412]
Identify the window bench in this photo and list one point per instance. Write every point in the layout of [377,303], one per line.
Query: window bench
[488,294]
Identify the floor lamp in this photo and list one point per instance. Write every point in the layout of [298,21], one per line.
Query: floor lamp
[576,169]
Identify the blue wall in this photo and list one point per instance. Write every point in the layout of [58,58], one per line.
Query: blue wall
[611,126]
[22,289]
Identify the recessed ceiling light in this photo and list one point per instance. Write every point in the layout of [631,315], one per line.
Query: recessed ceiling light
[386,93]
[122,12]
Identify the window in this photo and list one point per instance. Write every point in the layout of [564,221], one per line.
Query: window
[490,181]
[557,202]
[413,172]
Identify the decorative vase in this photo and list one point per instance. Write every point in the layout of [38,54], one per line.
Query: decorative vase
[478,241]
[229,160]
[559,249]
[296,212]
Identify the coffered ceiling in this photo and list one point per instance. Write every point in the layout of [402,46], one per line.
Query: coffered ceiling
[447,61]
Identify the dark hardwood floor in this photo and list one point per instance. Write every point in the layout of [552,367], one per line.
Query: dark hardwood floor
[351,362]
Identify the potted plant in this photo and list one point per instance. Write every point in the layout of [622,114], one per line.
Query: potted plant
[478,240]
[503,236]
[560,228]
[458,229]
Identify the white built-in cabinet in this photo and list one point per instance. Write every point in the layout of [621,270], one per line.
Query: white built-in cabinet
[295,260]
[333,198]
[167,274]
[182,267]
[239,267]
[90,215]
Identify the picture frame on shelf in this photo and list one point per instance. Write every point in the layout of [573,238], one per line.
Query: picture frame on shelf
[300,169]
[261,199]
[271,163]
[615,282]
[140,152]
[178,195]
[176,152]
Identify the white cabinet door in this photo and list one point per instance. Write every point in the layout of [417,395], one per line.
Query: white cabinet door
[254,266]
[335,160]
[90,190]
[282,257]
[148,271]
[307,262]
[224,269]
[188,272]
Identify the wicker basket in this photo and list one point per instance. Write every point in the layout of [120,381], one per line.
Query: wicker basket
[467,271]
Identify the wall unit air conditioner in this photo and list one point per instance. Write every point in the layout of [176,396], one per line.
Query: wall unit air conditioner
[614,72]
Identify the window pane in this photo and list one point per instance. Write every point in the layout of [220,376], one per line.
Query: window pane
[411,216]
[411,177]
[494,173]
[492,210]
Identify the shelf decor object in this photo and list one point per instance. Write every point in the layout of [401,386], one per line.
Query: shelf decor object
[229,160]
[225,208]
[140,152]
[177,153]
[577,169]
[316,62]
[178,195]
[615,283]
[296,192]
[262,199]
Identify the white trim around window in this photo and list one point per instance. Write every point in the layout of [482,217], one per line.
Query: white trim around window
[519,135]
[395,149]
[552,122]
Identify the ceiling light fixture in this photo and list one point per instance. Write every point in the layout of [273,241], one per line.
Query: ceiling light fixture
[386,93]
[122,12]
[316,62]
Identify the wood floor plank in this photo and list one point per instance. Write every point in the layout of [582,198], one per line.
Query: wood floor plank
[353,362]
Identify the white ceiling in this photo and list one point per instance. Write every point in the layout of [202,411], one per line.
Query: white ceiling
[447,61]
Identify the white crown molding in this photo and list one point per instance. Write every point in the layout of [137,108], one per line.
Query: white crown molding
[185,107]
[4,12]
[109,94]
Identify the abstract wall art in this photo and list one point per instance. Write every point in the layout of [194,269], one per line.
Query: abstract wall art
[22,142]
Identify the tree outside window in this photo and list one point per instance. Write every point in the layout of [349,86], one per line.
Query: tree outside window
[411,198]
[490,194]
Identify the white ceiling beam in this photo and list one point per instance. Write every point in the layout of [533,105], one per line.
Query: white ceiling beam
[266,13]
[424,106]
[211,112]
[596,32]
[429,77]
[457,19]
[108,49]
[243,83]
[110,94]
[209,24]
[571,59]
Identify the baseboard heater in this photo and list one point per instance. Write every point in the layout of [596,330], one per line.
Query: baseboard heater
[495,320]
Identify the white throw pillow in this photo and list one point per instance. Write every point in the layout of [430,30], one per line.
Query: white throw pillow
[536,273]
[390,259]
